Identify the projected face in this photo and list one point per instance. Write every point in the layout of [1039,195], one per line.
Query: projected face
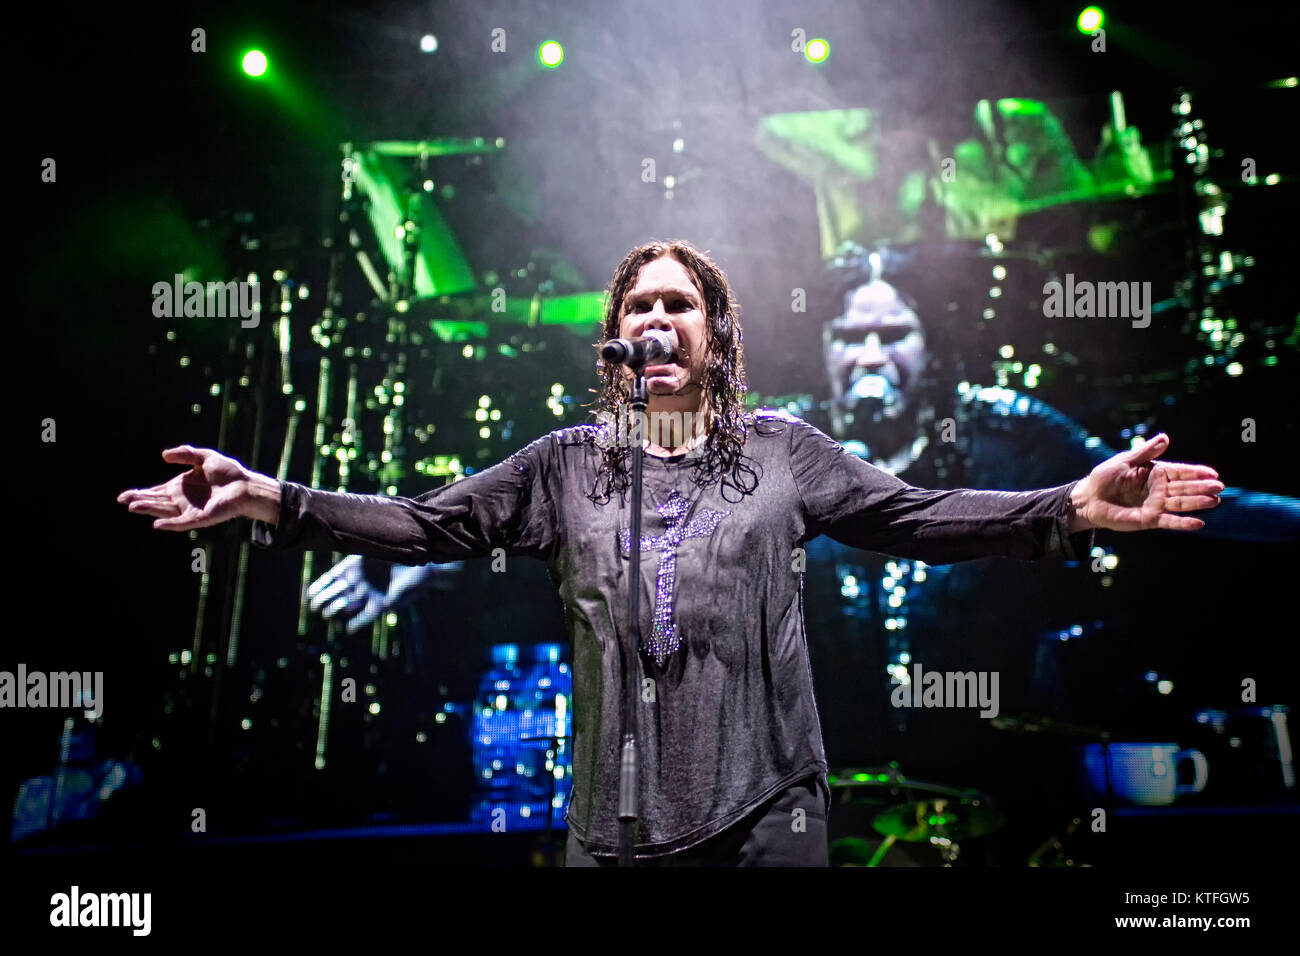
[874,355]
[665,298]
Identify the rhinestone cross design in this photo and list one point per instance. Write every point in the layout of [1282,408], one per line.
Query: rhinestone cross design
[664,639]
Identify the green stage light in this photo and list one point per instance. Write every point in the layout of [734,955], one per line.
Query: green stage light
[254,62]
[1091,19]
[817,50]
[551,54]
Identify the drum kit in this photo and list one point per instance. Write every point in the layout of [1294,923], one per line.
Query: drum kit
[932,820]
[1250,748]
[386,360]
[924,814]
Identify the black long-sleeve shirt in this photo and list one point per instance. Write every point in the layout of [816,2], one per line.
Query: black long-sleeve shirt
[730,718]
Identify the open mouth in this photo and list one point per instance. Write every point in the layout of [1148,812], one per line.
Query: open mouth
[871,389]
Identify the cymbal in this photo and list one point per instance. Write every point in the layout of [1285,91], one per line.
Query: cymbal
[917,822]
[891,778]
[447,146]
[863,777]
[1036,724]
[582,309]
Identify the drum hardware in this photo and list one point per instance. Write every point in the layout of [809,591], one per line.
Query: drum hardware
[547,850]
[1038,724]
[931,813]
[1052,851]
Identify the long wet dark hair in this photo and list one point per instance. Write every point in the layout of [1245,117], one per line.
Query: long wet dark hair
[722,457]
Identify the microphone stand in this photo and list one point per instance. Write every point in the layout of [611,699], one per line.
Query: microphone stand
[629,771]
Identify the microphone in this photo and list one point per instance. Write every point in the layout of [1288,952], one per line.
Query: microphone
[653,348]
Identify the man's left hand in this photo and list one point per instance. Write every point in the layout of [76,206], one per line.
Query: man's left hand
[1134,492]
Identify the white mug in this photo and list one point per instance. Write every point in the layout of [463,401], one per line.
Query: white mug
[1144,774]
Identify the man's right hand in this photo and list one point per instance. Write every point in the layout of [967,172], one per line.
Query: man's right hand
[213,490]
[343,592]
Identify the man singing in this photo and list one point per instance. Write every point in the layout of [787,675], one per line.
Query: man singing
[729,737]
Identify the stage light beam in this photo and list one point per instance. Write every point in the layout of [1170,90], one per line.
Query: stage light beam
[817,50]
[254,63]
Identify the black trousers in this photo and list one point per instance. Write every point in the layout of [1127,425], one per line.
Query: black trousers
[774,834]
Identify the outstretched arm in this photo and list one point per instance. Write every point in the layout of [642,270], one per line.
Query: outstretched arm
[862,506]
[1044,447]
[507,507]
